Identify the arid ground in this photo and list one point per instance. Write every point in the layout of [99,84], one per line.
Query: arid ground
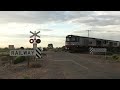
[63,65]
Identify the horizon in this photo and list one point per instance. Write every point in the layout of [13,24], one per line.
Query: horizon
[54,26]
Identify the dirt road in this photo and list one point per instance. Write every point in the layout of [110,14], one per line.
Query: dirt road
[80,66]
[64,65]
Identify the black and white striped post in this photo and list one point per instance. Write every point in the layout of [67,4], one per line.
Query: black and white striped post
[91,50]
[38,53]
[97,50]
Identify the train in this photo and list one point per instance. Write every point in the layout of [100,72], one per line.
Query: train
[76,43]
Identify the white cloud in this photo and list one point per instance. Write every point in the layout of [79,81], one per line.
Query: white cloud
[55,25]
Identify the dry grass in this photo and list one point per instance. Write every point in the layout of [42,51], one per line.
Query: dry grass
[4,58]
[26,77]
[35,65]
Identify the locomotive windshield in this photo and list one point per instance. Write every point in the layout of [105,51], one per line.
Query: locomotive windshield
[67,39]
[71,39]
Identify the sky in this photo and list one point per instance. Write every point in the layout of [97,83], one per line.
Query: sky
[54,26]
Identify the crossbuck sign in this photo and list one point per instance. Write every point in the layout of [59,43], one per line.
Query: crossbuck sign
[35,34]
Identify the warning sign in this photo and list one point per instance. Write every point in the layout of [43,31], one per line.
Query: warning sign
[22,52]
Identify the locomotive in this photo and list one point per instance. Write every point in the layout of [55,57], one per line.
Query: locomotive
[82,44]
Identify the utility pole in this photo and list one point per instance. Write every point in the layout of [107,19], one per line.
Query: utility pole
[88,32]
[88,35]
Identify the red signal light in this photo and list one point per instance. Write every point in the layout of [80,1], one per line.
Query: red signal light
[38,41]
[31,40]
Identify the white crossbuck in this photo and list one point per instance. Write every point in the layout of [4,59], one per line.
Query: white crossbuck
[92,50]
[36,53]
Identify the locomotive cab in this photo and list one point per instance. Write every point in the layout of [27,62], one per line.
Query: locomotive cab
[71,41]
[71,38]
[75,43]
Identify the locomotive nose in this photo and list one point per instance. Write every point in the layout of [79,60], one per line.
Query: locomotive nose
[68,43]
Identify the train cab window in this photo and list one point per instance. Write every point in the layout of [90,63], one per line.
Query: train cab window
[70,39]
[67,39]
[90,42]
[105,42]
[115,44]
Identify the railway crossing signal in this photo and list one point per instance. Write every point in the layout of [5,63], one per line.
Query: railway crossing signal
[35,41]
[36,52]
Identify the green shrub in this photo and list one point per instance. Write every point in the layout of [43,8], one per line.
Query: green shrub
[115,57]
[19,59]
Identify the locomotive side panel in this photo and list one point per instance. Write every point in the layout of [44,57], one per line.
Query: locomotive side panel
[92,42]
[72,43]
[81,41]
[86,42]
[105,43]
[116,44]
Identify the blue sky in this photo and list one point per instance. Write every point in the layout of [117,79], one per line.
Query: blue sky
[15,26]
